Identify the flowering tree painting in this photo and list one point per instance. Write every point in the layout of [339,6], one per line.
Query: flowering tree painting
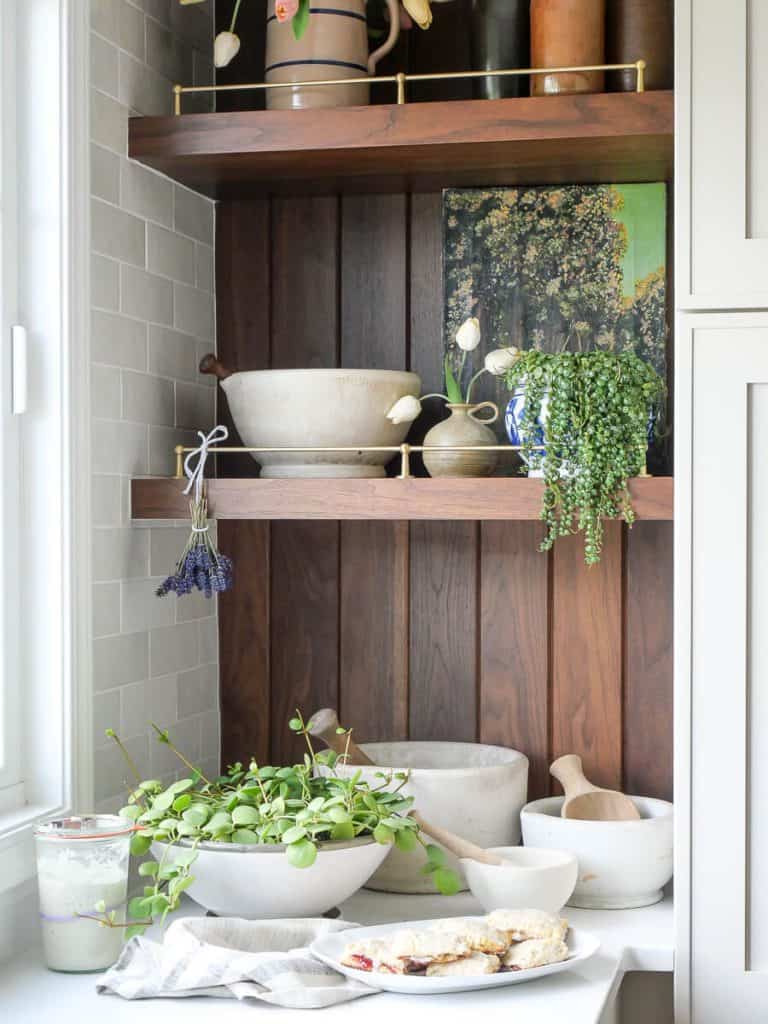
[558,268]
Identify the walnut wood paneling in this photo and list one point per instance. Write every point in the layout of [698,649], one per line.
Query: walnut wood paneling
[586,639]
[648,660]
[305,555]
[443,697]
[374,555]
[242,321]
[244,621]
[514,656]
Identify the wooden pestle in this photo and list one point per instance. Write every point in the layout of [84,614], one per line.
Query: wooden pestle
[323,725]
[211,365]
[588,802]
[458,846]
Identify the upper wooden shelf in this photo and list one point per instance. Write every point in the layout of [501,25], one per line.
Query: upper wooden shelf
[414,498]
[606,137]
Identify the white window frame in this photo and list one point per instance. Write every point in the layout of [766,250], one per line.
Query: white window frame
[52,539]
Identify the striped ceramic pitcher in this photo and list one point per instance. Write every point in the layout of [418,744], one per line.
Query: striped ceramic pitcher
[334,45]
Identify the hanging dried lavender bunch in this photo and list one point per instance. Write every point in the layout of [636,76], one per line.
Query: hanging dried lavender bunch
[201,565]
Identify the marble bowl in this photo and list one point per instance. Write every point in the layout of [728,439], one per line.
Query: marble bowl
[473,789]
[234,880]
[540,878]
[622,864]
[319,408]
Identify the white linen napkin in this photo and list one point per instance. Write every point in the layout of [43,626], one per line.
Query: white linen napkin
[233,958]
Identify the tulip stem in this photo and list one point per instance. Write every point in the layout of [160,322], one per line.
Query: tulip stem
[435,394]
[469,386]
[234,15]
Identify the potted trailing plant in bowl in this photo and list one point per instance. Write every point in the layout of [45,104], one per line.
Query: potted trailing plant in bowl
[266,841]
[591,411]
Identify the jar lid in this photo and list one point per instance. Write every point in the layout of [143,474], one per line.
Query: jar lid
[86,826]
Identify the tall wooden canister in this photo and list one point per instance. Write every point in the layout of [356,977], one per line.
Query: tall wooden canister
[638,29]
[567,33]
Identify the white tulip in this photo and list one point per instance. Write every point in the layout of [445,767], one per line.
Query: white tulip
[501,360]
[468,335]
[225,48]
[405,409]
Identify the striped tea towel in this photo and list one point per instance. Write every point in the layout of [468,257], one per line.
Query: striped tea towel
[232,958]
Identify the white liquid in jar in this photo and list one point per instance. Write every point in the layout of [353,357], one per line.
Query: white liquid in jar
[72,943]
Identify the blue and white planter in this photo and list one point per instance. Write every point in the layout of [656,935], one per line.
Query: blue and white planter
[513,421]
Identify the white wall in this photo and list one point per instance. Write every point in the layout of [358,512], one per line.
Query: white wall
[152,318]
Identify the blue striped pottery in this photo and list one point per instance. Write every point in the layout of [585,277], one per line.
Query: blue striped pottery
[334,45]
[513,421]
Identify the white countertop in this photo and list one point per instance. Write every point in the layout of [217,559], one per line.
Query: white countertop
[631,940]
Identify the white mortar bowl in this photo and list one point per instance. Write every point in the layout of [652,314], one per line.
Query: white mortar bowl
[622,864]
[319,408]
[473,789]
[235,880]
[531,877]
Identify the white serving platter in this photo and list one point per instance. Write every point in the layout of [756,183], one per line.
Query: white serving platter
[330,949]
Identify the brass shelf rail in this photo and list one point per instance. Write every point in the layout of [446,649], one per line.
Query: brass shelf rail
[402,78]
[405,450]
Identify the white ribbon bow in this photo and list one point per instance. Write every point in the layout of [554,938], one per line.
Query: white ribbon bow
[196,475]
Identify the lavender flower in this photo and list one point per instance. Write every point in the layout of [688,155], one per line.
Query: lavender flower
[201,566]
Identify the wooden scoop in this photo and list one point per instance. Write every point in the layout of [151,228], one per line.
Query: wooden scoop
[458,846]
[588,802]
[211,365]
[323,725]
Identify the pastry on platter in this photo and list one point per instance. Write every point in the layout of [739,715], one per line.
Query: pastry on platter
[519,925]
[419,949]
[368,955]
[477,963]
[478,935]
[534,953]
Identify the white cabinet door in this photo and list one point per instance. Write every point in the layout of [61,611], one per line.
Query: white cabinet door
[722,158]
[723,595]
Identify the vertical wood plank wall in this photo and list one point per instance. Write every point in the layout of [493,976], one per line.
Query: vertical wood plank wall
[427,630]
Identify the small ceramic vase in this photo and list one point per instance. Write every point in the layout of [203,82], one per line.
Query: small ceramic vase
[641,29]
[462,427]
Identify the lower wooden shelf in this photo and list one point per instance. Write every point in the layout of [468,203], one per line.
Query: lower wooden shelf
[414,498]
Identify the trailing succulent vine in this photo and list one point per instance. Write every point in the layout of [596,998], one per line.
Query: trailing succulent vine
[595,435]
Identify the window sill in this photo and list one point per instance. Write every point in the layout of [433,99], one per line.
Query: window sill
[17,848]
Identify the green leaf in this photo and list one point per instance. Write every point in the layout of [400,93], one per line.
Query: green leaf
[343,831]
[149,867]
[138,906]
[446,881]
[245,815]
[406,840]
[295,725]
[163,801]
[245,835]
[383,835]
[181,803]
[292,835]
[140,844]
[196,815]
[185,858]
[301,854]
[338,814]
[181,786]
[436,855]
[100,907]
[300,20]
[134,929]
[452,389]
[219,821]
[130,813]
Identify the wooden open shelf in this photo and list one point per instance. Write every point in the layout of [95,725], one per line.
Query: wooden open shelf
[606,137]
[414,498]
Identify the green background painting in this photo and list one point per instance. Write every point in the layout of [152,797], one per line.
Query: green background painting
[572,267]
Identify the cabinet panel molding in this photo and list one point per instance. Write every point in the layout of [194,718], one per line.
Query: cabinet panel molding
[722,167]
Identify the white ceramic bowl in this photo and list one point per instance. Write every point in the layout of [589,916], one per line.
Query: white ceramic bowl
[621,863]
[319,408]
[531,877]
[473,789]
[233,880]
